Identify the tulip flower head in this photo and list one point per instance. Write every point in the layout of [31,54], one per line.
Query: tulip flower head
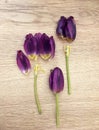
[56,80]
[23,62]
[56,84]
[66,28]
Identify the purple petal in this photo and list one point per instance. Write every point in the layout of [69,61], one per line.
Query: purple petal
[52,43]
[38,36]
[66,28]
[70,30]
[45,47]
[28,36]
[56,80]
[23,62]
[31,45]
[61,26]
[45,44]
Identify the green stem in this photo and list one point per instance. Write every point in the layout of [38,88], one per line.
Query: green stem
[68,73]
[36,94]
[57,110]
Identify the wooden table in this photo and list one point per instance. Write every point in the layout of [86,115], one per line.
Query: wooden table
[80,110]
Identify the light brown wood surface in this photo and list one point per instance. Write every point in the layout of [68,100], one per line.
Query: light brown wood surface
[80,110]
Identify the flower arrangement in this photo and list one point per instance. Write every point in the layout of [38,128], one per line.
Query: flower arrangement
[41,45]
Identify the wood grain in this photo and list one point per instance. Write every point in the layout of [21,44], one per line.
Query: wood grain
[80,110]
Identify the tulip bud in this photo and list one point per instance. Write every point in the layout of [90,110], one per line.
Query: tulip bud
[56,80]
[56,84]
[23,62]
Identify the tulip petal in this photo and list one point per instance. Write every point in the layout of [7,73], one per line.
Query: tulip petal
[31,46]
[61,27]
[45,47]
[45,41]
[52,43]
[71,29]
[38,36]
[23,62]
[56,80]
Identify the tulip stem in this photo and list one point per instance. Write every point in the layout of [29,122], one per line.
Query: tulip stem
[67,53]
[36,93]
[57,109]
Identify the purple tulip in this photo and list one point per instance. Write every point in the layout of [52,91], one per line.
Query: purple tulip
[47,47]
[23,62]
[31,46]
[66,28]
[56,80]
[56,83]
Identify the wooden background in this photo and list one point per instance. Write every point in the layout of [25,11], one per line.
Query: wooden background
[80,110]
